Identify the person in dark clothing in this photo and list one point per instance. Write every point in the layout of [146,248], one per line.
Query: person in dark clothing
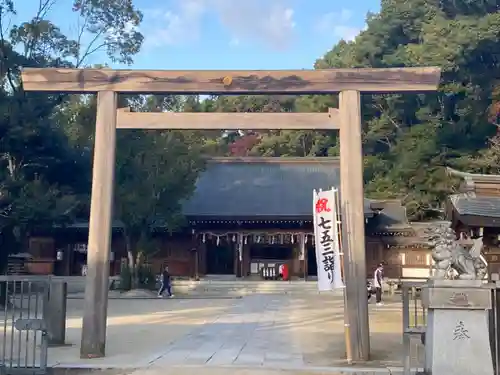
[165,283]
[377,283]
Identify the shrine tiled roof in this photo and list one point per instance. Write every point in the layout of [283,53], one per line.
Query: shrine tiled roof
[255,188]
[472,205]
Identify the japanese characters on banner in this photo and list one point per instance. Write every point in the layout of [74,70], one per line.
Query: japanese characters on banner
[326,232]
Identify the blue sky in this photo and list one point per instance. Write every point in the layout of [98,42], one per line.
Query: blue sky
[230,34]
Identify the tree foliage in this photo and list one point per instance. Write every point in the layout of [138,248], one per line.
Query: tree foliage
[156,171]
[44,172]
[410,138]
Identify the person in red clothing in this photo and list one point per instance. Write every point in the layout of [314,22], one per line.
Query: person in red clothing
[285,272]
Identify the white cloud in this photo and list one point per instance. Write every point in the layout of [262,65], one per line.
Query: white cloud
[267,21]
[167,27]
[337,23]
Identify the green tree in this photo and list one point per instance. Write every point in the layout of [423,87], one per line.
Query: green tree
[155,172]
[271,143]
[108,26]
[43,177]
[408,139]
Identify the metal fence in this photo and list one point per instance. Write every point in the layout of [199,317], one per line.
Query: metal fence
[414,322]
[23,344]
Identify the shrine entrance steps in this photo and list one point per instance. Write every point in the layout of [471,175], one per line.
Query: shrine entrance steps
[243,287]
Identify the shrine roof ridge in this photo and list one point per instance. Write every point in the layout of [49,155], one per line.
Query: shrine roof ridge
[475,177]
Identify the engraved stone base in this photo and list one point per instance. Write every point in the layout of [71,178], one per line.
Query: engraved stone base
[457,339]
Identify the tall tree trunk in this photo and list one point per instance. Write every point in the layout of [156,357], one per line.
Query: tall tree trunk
[135,273]
[132,266]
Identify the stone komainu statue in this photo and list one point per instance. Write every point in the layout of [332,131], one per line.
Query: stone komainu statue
[451,259]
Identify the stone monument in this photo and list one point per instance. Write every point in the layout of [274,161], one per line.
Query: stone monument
[457,338]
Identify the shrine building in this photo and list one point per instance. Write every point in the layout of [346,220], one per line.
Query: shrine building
[475,211]
[247,213]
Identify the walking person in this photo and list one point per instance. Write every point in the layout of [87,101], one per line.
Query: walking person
[377,283]
[165,283]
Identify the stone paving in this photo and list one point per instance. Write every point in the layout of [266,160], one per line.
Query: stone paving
[259,331]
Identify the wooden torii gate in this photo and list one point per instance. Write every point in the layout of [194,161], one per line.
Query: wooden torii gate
[348,83]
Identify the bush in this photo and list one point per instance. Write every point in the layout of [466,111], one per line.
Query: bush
[125,277]
[147,278]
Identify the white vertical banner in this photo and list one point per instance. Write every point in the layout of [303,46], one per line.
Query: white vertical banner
[326,233]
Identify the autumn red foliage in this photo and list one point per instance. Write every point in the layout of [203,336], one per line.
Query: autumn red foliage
[243,145]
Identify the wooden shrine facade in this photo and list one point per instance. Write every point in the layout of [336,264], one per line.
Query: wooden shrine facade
[247,213]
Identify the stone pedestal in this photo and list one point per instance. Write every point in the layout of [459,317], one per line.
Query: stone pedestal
[457,338]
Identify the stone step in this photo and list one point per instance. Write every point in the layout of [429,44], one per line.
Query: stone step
[244,287]
[76,284]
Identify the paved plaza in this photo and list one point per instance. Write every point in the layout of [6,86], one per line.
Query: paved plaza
[263,330]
